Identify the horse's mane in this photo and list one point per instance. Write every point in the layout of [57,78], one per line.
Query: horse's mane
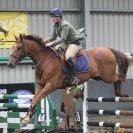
[39,41]
[35,38]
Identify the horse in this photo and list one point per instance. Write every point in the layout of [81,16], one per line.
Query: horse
[105,64]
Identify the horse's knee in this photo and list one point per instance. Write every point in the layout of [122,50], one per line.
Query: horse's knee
[31,111]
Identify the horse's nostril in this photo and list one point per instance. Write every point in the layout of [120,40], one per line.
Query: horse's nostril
[10,65]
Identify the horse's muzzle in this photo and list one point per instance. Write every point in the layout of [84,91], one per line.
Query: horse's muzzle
[11,65]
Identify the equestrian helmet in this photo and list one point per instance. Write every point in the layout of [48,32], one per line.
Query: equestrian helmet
[56,12]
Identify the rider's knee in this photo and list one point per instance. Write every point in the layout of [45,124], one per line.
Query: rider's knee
[69,54]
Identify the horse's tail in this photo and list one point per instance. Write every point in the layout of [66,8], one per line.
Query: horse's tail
[123,62]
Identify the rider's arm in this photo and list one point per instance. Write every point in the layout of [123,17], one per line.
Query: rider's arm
[52,38]
[64,35]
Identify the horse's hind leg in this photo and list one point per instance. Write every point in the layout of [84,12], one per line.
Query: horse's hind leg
[66,118]
[116,79]
[73,118]
[118,89]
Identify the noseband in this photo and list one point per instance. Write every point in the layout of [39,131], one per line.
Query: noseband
[15,57]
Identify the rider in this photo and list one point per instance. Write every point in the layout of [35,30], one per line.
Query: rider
[64,34]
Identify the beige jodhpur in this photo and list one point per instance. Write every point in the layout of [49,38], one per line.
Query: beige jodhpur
[71,49]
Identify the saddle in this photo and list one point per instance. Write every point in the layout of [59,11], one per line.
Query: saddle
[80,60]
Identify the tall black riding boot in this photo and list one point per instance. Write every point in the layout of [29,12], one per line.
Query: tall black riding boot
[74,79]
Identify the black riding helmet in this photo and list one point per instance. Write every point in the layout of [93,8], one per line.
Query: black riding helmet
[56,12]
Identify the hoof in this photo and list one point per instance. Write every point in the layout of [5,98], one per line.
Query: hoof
[23,123]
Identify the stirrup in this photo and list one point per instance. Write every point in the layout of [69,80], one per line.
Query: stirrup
[74,80]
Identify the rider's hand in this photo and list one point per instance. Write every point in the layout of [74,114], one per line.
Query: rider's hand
[49,44]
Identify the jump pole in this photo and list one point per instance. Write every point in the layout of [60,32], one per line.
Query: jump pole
[113,99]
[85,107]
[111,112]
[88,42]
[108,124]
[8,115]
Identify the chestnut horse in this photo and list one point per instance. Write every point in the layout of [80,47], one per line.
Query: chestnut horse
[106,64]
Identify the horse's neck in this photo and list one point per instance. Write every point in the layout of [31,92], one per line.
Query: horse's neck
[33,51]
[37,53]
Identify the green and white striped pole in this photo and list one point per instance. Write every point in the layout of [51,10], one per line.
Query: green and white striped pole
[14,96]
[14,105]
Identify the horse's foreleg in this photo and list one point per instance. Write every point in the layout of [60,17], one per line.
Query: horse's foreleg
[37,98]
[31,110]
[118,89]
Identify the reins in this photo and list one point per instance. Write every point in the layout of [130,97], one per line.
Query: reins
[2,41]
[35,65]
[23,50]
[58,54]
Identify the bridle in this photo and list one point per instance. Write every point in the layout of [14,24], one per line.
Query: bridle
[22,48]
[2,42]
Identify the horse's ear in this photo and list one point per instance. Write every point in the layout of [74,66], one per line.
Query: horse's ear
[21,37]
[15,37]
